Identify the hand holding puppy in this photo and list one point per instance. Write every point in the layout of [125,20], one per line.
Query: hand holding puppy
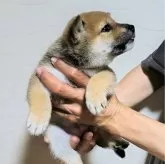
[77,110]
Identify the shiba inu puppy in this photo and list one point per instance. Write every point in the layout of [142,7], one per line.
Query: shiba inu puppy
[89,42]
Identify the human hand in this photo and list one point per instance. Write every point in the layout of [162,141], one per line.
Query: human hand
[77,110]
[85,141]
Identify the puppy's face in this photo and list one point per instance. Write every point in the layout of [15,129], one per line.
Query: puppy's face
[96,37]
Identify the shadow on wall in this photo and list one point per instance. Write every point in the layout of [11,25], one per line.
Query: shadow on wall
[37,152]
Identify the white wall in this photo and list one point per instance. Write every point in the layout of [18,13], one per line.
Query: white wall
[27,27]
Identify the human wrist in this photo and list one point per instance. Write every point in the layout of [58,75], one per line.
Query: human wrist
[107,120]
[129,85]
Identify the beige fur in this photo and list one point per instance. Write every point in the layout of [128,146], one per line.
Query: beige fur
[99,87]
[40,105]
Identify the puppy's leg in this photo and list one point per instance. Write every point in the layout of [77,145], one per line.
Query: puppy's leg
[59,142]
[118,144]
[40,106]
[100,86]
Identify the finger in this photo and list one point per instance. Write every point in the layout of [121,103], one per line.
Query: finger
[76,113]
[70,117]
[83,119]
[74,142]
[87,143]
[75,109]
[58,87]
[72,73]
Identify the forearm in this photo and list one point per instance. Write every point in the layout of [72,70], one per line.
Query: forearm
[134,87]
[140,130]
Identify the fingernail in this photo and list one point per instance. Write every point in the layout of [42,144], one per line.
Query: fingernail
[46,140]
[39,71]
[75,140]
[89,136]
[53,59]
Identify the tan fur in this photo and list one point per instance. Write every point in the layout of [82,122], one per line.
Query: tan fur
[39,102]
[101,82]
[118,30]
[100,86]
[95,21]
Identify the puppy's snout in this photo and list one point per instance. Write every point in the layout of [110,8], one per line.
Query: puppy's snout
[130,27]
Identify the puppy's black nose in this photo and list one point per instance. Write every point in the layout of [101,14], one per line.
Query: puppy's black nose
[131,28]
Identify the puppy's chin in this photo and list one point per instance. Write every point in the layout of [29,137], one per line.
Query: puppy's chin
[121,48]
[129,46]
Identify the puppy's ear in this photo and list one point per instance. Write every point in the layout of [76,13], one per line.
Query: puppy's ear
[76,30]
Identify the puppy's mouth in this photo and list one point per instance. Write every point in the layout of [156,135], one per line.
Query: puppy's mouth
[124,46]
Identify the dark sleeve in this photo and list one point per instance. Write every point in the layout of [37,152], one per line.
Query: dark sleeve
[153,67]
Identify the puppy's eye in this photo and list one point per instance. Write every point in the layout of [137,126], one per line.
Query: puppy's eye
[106,28]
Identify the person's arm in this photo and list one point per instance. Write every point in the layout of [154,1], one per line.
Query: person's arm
[140,130]
[134,87]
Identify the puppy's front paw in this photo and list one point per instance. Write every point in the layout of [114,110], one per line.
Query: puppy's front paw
[99,88]
[37,125]
[96,102]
